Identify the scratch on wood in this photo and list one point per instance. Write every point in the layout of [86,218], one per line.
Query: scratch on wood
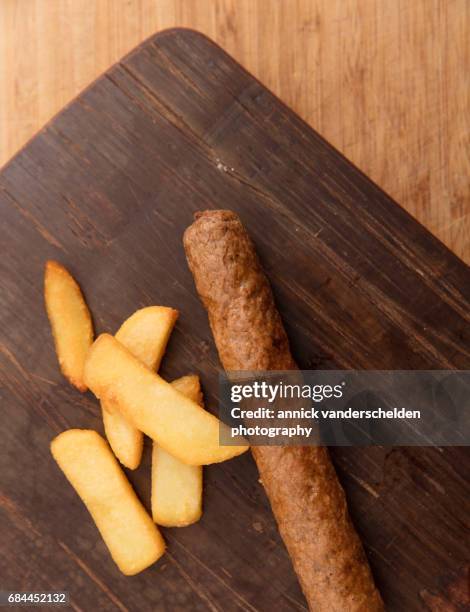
[17,515]
[55,425]
[434,483]
[216,576]
[24,212]
[194,586]
[74,606]
[53,383]
[365,485]
[175,120]
[173,68]
[89,572]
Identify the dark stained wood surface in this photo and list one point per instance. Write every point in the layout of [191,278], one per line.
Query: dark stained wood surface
[108,188]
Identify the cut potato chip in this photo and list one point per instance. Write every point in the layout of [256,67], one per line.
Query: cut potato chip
[145,334]
[177,423]
[127,530]
[177,487]
[126,440]
[70,321]
[190,386]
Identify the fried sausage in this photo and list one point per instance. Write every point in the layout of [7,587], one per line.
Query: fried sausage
[306,498]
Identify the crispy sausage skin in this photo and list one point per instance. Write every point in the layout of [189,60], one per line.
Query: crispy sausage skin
[306,497]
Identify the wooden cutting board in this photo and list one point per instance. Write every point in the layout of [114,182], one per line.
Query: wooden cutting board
[108,188]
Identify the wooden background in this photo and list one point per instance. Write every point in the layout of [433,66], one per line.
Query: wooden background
[385,81]
[108,189]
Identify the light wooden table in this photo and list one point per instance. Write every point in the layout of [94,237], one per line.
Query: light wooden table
[386,81]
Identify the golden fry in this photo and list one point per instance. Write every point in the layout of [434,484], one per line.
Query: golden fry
[70,321]
[126,441]
[190,386]
[177,487]
[175,422]
[127,530]
[145,334]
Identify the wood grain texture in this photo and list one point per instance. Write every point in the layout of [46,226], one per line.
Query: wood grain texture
[387,82]
[108,189]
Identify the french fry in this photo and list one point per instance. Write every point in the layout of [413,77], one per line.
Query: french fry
[177,487]
[153,406]
[145,334]
[190,386]
[126,441]
[70,321]
[127,530]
